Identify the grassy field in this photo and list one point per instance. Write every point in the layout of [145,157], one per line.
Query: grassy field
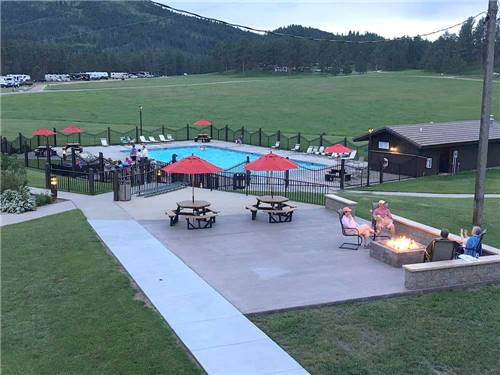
[449,213]
[67,308]
[460,183]
[452,332]
[344,105]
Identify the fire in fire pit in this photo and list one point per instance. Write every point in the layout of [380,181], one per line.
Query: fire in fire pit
[402,244]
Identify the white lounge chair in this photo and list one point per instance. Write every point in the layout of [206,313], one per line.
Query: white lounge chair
[143,139]
[352,155]
[152,139]
[310,150]
[104,142]
[276,145]
[162,138]
[314,149]
[320,150]
[170,138]
[296,148]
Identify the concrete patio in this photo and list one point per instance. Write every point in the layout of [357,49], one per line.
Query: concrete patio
[259,266]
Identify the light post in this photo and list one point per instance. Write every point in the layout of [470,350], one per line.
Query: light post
[140,119]
[53,187]
[370,131]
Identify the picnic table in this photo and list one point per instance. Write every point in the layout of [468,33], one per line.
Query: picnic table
[188,208]
[275,205]
[272,202]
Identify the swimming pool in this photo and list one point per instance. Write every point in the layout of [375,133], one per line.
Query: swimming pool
[222,157]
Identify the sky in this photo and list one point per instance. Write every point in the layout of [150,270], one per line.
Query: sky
[386,18]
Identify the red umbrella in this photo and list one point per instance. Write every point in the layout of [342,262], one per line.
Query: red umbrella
[203,122]
[72,128]
[43,132]
[271,162]
[338,149]
[192,165]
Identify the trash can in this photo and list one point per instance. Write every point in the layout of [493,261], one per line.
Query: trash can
[125,190]
[239,181]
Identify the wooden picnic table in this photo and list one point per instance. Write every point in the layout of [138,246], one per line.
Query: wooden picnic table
[187,208]
[274,205]
[275,201]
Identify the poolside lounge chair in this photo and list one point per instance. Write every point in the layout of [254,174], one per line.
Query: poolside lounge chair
[442,249]
[310,150]
[349,233]
[152,139]
[320,150]
[104,142]
[314,149]
[352,155]
[276,145]
[296,148]
[170,138]
[143,139]
[162,138]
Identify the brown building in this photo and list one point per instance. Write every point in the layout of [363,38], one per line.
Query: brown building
[427,149]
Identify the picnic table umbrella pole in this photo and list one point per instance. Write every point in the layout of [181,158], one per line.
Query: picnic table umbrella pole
[192,165]
[269,163]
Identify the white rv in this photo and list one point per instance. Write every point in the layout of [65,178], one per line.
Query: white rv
[119,75]
[97,75]
[6,81]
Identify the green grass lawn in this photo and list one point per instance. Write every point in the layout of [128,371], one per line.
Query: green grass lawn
[460,183]
[67,307]
[452,332]
[344,105]
[450,213]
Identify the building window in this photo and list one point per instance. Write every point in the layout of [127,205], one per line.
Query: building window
[428,163]
[383,145]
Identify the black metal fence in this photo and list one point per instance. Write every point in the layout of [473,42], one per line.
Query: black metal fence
[257,137]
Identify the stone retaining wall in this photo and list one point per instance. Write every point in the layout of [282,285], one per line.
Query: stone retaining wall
[334,202]
[452,273]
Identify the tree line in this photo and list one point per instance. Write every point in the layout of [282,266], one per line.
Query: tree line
[71,36]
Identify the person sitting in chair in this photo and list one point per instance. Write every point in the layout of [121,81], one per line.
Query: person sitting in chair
[383,218]
[348,223]
[429,251]
[472,244]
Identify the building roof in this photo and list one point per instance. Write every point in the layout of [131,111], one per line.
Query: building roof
[435,134]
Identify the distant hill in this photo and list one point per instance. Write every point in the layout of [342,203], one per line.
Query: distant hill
[62,36]
[40,37]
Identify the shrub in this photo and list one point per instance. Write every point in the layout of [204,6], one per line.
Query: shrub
[12,201]
[13,174]
[43,199]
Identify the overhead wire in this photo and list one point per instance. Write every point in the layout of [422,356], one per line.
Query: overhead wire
[276,33]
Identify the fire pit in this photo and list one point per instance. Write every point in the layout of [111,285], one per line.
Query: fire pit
[398,251]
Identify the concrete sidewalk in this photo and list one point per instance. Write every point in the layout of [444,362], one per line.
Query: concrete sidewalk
[222,339]
[47,210]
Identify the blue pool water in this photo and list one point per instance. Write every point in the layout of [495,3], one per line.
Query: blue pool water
[221,157]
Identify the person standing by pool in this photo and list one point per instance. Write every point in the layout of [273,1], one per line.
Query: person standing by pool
[145,153]
[133,153]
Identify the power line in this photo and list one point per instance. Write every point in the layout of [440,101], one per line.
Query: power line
[270,32]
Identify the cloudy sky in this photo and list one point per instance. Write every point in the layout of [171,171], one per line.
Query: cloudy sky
[387,18]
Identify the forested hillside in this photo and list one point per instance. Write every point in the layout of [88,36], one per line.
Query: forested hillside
[61,36]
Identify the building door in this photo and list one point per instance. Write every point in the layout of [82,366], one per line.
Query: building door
[444,161]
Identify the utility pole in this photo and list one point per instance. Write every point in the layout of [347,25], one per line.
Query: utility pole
[140,119]
[482,151]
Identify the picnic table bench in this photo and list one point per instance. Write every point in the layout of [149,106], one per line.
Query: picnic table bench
[276,206]
[198,211]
